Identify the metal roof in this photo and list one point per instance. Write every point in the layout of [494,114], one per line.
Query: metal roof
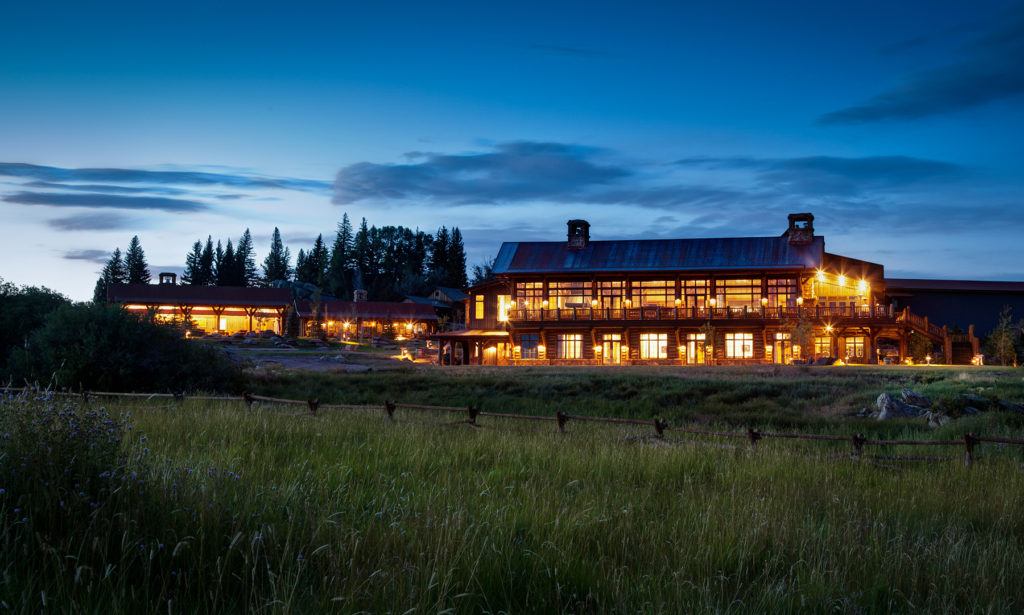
[167,294]
[656,255]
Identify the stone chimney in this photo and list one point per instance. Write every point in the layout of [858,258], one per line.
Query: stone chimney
[169,278]
[801,229]
[579,234]
[359,296]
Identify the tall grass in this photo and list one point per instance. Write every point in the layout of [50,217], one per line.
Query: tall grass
[208,507]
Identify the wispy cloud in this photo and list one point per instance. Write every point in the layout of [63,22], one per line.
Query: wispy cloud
[989,69]
[142,176]
[106,201]
[91,222]
[93,256]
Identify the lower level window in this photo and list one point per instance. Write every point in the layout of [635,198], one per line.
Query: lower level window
[855,347]
[822,346]
[528,346]
[570,346]
[739,345]
[654,345]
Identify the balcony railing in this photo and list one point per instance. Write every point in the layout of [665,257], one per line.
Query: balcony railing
[854,312]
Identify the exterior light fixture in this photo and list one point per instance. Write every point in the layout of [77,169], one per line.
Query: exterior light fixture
[712,301]
[597,350]
[821,275]
[678,301]
[593,303]
[828,328]
[764,300]
[841,279]
[544,303]
[862,286]
[799,300]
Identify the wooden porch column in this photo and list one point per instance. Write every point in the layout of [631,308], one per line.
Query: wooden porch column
[947,345]
[250,312]
[217,312]
[904,342]
[870,358]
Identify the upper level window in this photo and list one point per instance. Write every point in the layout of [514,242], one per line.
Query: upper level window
[478,307]
[504,303]
[529,295]
[611,294]
[695,293]
[782,292]
[569,294]
[738,293]
[654,293]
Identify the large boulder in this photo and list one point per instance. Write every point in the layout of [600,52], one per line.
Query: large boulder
[976,401]
[915,399]
[891,408]
[1009,406]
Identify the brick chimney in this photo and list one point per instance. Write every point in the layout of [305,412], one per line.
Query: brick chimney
[801,229]
[359,296]
[579,234]
[169,278]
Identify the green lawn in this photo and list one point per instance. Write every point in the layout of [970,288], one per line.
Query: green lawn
[208,507]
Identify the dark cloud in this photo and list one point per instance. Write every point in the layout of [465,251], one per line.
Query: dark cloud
[138,176]
[990,69]
[106,188]
[90,222]
[93,256]
[519,171]
[832,175]
[113,201]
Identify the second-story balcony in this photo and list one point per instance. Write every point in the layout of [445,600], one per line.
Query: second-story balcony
[877,313]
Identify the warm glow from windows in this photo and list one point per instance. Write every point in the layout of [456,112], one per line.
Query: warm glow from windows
[841,279]
[862,286]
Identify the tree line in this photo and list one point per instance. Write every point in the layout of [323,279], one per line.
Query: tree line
[389,262]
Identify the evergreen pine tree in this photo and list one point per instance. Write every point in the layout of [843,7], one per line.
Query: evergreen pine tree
[193,273]
[361,250]
[456,260]
[135,263]
[336,281]
[113,272]
[227,269]
[245,259]
[206,265]
[439,257]
[301,270]
[277,265]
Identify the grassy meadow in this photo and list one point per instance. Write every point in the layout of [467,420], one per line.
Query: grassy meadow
[161,506]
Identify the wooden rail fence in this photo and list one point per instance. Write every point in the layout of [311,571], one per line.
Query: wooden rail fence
[660,426]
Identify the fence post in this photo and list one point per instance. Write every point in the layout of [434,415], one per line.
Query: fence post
[472,411]
[314,404]
[659,427]
[389,407]
[247,398]
[562,420]
[858,445]
[85,397]
[753,435]
[969,442]
[179,396]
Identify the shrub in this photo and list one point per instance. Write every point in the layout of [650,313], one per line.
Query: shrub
[107,348]
[22,311]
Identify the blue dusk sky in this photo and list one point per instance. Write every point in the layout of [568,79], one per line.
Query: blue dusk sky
[898,124]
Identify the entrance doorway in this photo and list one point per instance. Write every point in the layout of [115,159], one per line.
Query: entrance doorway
[696,353]
[611,349]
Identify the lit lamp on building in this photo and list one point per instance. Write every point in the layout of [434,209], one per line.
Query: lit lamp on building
[799,300]
[593,303]
[841,279]
[712,301]
[544,303]
[764,301]
[678,302]
[821,275]
[541,351]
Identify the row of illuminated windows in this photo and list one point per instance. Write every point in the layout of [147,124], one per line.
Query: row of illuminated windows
[738,293]
[652,345]
[655,345]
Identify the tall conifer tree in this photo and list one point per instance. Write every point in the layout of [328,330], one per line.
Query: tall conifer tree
[193,273]
[277,265]
[135,263]
[207,264]
[114,272]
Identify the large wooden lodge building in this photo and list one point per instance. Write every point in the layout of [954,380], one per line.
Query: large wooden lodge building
[780,299]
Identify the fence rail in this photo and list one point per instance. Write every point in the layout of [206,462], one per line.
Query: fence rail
[660,426]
